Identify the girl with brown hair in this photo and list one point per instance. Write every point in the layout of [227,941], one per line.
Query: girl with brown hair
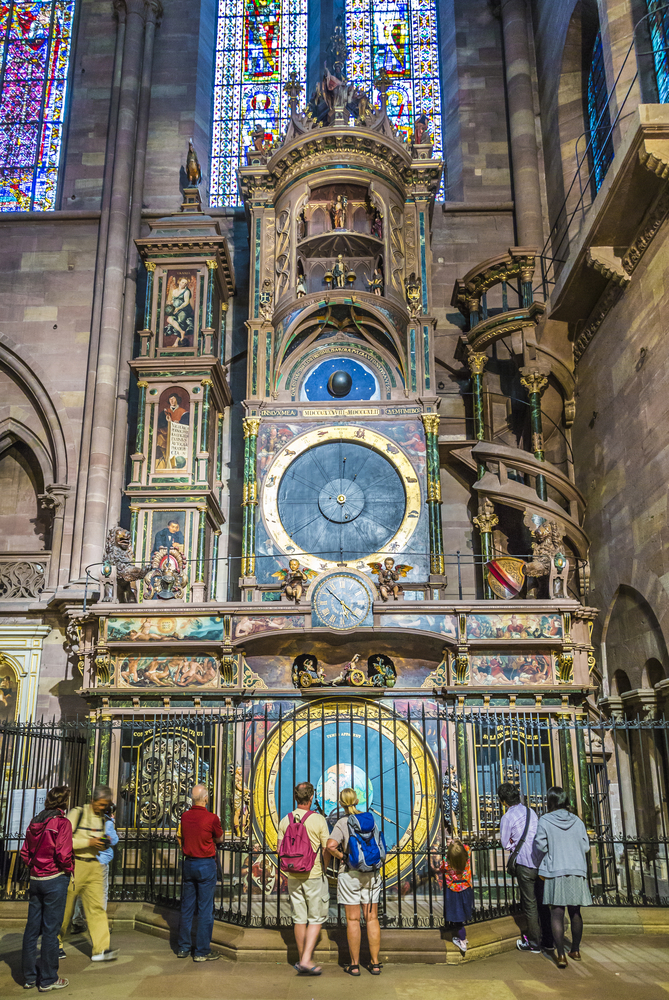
[458,892]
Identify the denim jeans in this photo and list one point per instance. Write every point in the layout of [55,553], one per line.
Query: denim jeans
[45,915]
[197,899]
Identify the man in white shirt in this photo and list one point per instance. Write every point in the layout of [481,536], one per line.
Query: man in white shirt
[528,859]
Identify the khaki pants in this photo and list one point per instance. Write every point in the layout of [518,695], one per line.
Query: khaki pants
[88,883]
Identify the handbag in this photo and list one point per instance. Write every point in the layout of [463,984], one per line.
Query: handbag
[511,865]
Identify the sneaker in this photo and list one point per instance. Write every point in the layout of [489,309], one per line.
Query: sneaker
[522,944]
[105,956]
[184,953]
[462,945]
[62,953]
[211,957]
[60,984]
[29,986]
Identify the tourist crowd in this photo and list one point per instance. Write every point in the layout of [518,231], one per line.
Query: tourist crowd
[68,855]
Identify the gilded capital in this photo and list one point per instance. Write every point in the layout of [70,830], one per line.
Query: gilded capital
[142,385]
[251,426]
[431,422]
[533,381]
[206,382]
[486,519]
[212,265]
[150,266]
[476,362]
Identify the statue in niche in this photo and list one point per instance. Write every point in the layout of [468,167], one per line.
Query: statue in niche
[421,131]
[548,554]
[413,294]
[193,171]
[240,802]
[119,574]
[388,576]
[294,580]
[339,271]
[300,286]
[301,224]
[377,225]
[266,299]
[338,211]
[306,672]
[375,283]
[381,671]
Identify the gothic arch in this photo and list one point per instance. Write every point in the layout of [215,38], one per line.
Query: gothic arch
[632,637]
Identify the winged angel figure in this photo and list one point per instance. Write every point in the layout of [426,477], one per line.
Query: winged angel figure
[388,575]
[294,580]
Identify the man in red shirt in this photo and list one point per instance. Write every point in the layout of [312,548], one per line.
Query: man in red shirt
[199,833]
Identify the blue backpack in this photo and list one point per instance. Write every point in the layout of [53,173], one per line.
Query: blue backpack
[366,846]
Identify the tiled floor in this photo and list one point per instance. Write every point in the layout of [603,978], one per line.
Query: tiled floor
[613,968]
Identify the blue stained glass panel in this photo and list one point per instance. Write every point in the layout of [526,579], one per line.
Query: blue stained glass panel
[600,143]
[658,25]
[400,37]
[36,40]
[259,43]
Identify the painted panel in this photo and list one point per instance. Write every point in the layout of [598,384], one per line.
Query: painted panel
[201,629]
[441,624]
[245,626]
[167,671]
[518,626]
[511,668]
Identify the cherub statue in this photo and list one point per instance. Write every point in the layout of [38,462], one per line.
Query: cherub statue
[388,576]
[294,580]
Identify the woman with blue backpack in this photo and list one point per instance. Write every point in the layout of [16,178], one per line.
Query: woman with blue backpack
[359,844]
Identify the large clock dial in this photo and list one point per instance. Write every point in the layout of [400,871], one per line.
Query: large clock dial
[341,495]
[341,601]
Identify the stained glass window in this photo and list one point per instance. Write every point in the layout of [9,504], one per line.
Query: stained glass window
[400,37]
[259,44]
[36,38]
[658,24]
[599,139]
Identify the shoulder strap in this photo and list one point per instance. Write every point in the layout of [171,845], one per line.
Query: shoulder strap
[522,839]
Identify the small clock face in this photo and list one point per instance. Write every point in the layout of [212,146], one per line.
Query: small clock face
[341,601]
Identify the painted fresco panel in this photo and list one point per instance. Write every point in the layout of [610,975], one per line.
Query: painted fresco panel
[245,626]
[207,628]
[167,671]
[515,626]
[441,624]
[511,668]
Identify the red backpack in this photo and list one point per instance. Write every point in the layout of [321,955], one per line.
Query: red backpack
[296,855]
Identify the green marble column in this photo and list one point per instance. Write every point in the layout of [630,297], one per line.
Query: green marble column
[148,301]
[565,720]
[535,382]
[477,363]
[90,755]
[141,409]
[465,816]
[431,424]
[250,495]
[206,384]
[209,310]
[104,749]
[134,514]
[213,578]
[201,538]
[583,774]
[485,521]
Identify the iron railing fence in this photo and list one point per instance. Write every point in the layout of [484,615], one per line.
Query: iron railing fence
[425,768]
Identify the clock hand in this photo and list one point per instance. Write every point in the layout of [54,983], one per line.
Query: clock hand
[343,603]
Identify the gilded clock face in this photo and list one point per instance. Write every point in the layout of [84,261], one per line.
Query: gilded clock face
[341,494]
[341,601]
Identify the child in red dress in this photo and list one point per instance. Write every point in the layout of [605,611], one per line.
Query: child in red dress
[458,892]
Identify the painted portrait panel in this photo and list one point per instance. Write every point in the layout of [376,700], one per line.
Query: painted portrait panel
[168,671]
[518,626]
[168,532]
[179,325]
[441,624]
[9,691]
[510,668]
[245,626]
[173,430]
[204,629]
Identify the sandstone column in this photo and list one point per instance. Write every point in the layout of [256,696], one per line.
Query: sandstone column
[526,189]
[104,406]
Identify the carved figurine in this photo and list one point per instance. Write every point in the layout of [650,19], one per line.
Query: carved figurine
[119,574]
[240,802]
[381,671]
[306,672]
[339,271]
[300,286]
[421,131]
[377,225]
[388,576]
[413,294]
[193,171]
[548,554]
[294,580]
[351,674]
[266,300]
[375,283]
[338,212]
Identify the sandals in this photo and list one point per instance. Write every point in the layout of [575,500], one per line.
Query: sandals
[308,970]
[353,970]
[375,968]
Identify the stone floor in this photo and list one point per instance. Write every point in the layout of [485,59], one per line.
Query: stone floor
[613,968]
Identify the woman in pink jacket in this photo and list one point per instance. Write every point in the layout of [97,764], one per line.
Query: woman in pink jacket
[47,853]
